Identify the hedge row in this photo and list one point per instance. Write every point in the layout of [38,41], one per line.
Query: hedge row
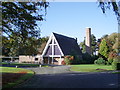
[19,65]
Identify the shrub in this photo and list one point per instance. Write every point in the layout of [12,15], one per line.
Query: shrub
[77,60]
[95,62]
[99,61]
[107,63]
[116,63]
[68,59]
[87,58]
[110,60]
[63,62]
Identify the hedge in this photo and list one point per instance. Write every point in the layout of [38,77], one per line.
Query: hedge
[116,66]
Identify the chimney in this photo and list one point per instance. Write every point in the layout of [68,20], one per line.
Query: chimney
[88,40]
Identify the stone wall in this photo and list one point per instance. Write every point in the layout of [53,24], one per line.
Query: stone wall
[29,59]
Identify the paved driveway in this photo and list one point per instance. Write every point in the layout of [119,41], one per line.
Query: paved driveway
[71,80]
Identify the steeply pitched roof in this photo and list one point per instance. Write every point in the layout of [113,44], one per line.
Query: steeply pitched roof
[68,45]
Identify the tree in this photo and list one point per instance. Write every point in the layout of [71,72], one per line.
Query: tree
[5,46]
[43,42]
[20,18]
[19,24]
[83,46]
[113,44]
[106,4]
[93,44]
[103,49]
[32,46]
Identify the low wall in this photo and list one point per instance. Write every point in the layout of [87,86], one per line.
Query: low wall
[29,59]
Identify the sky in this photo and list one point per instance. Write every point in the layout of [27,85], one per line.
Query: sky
[72,18]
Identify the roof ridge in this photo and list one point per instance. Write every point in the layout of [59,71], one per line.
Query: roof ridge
[63,35]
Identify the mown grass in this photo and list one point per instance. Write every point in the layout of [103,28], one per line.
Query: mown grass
[28,75]
[90,68]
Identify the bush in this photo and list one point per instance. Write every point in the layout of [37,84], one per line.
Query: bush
[116,63]
[95,62]
[110,60]
[107,63]
[68,59]
[87,59]
[63,62]
[77,60]
[99,61]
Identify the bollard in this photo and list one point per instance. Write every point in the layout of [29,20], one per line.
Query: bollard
[16,66]
[40,66]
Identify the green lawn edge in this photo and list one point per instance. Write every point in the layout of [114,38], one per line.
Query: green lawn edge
[91,68]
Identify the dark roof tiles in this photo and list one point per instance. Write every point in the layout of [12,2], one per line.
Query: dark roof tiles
[68,45]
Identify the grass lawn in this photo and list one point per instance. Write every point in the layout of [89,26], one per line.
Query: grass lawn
[90,68]
[13,76]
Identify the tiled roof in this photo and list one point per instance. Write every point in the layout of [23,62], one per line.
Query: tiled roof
[68,45]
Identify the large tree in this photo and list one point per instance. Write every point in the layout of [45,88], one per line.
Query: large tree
[113,43]
[20,18]
[19,24]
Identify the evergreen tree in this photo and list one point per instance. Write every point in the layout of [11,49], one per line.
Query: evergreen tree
[93,44]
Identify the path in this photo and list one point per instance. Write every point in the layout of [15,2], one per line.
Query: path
[51,70]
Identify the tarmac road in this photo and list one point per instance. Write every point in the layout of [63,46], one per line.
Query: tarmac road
[72,80]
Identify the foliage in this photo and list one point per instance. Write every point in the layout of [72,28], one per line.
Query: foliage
[103,49]
[82,44]
[20,17]
[100,61]
[31,46]
[108,63]
[5,46]
[112,42]
[87,59]
[116,63]
[111,56]
[106,4]
[93,45]
[42,44]
[68,59]
[63,62]
[19,22]
[94,57]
